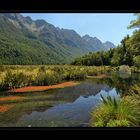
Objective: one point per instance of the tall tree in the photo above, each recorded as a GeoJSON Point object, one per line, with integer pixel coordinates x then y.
{"type": "Point", "coordinates": [135, 23]}
{"type": "Point", "coordinates": [135, 38]}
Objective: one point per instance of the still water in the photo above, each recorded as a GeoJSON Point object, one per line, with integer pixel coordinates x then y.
{"type": "Point", "coordinates": [67, 107]}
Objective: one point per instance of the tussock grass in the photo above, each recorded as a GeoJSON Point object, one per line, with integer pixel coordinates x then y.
{"type": "Point", "coordinates": [24, 75]}
{"type": "Point", "coordinates": [112, 112]}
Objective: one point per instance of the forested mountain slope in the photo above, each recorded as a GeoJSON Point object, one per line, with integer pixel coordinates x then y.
{"type": "Point", "coordinates": [27, 41]}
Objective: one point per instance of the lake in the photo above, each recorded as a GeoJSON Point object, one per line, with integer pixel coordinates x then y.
{"type": "Point", "coordinates": [67, 107]}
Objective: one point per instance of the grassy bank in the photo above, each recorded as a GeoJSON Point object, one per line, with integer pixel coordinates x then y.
{"type": "Point", "coordinates": [118, 112]}
{"type": "Point", "coordinates": [12, 77]}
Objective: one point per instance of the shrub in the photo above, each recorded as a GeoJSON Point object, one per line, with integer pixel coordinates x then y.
{"type": "Point", "coordinates": [118, 123]}
{"type": "Point", "coordinates": [42, 69]}
{"type": "Point", "coordinates": [41, 79]}
{"type": "Point", "coordinates": [48, 78]}
{"type": "Point", "coordinates": [136, 60]}
{"type": "Point", "coordinates": [92, 72]}
{"type": "Point", "coordinates": [77, 75]}
{"type": "Point", "coordinates": [135, 69]}
{"type": "Point", "coordinates": [113, 112]}
{"type": "Point", "coordinates": [135, 90]}
{"type": "Point", "coordinates": [13, 80]}
{"type": "Point", "coordinates": [2, 68]}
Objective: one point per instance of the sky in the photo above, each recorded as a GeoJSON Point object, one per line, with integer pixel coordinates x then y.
{"type": "Point", "coordinates": [105, 26]}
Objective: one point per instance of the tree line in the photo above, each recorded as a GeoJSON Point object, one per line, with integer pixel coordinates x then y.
{"type": "Point", "coordinates": [126, 53]}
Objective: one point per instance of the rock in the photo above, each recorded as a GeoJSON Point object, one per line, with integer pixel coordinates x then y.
{"type": "Point", "coordinates": [124, 69]}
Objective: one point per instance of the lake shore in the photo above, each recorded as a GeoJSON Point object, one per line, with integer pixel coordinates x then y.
{"type": "Point", "coordinates": [98, 76]}
{"type": "Point", "coordinates": [11, 98]}
{"type": "Point", "coordinates": [43, 88]}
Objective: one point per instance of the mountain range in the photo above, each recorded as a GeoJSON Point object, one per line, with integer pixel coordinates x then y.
{"type": "Point", "coordinates": [27, 41]}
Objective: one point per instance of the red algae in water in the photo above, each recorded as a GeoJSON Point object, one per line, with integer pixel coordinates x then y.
{"type": "Point", "coordinates": [4, 108]}
{"type": "Point", "coordinates": [42, 88]}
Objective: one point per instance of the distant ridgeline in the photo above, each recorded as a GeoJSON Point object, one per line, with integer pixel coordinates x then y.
{"type": "Point", "coordinates": [127, 53]}
{"type": "Point", "coordinates": [27, 41]}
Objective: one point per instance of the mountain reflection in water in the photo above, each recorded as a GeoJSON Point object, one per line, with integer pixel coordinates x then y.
{"type": "Point", "coordinates": [69, 106]}
{"type": "Point", "coordinates": [81, 99]}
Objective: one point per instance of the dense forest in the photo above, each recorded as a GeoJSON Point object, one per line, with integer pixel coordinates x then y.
{"type": "Point", "coordinates": [25, 41]}
{"type": "Point", "coordinates": [127, 53]}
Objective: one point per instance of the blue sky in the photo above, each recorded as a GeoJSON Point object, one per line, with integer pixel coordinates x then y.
{"type": "Point", "coordinates": [105, 26]}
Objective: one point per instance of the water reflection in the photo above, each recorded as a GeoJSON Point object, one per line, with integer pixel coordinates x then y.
{"type": "Point", "coordinates": [121, 82]}
{"type": "Point", "coordinates": [68, 114]}
{"type": "Point", "coordinates": [77, 103]}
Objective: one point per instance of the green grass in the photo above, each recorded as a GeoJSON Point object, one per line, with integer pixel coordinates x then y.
{"type": "Point", "coordinates": [19, 76]}
{"type": "Point", "coordinates": [123, 112]}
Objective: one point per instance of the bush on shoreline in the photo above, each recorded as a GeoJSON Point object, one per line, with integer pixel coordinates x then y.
{"type": "Point", "coordinates": [14, 80]}
{"type": "Point", "coordinates": [112, 112]}
{"type": "Point", "coordinates": [20, 76]}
